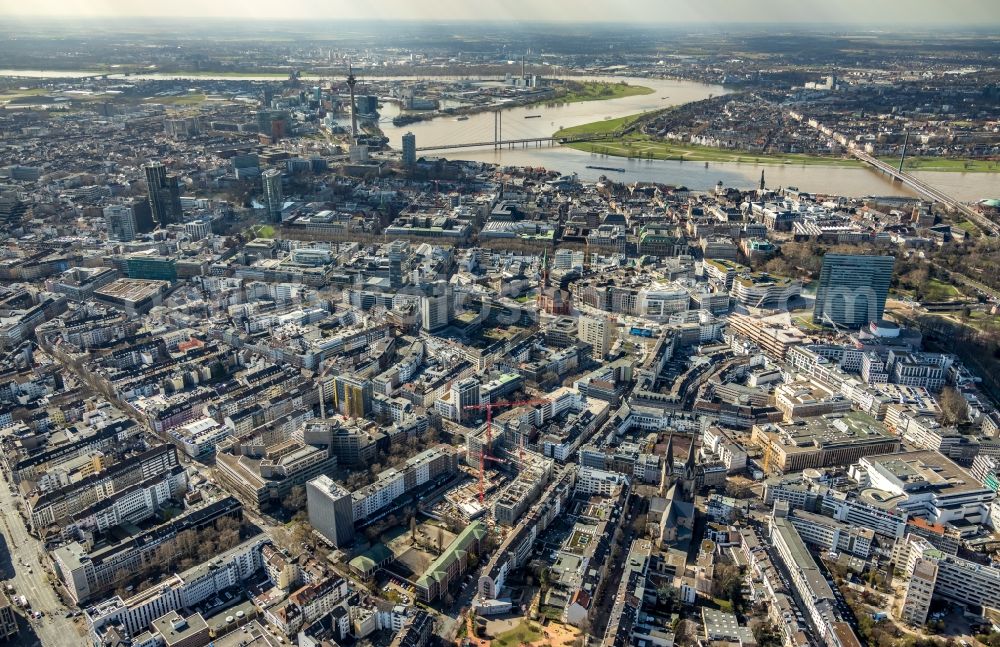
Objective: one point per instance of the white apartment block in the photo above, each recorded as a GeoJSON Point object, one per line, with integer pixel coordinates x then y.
{"type": "Point", "coordinates": [830, 534]}
{"type": "Point", "coordinates": [393, 483]}
{"type": "Point", "coordinates": [177, 591]}
{"type": "Point", "coordinates": [594, 481]}
{"type": "Point", "coordinates": [956, 579]}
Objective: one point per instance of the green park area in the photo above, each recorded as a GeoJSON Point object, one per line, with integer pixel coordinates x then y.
{"type": "Point", "coordinates": [526, 632]}
{"type": "Point", "coordinates": [598, 91]}
{"type": "Point", "coordinates": [937, 290]}
{"type": "Point", "coordinates": [263, 231]}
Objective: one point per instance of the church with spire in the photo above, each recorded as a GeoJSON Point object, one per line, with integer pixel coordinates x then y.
{"type": "Point", "coordinates": [551, 299]}
{"type": "Point", "coordinates": [761, 190]}
{"type": "Point", "coordinates": [678, 484]}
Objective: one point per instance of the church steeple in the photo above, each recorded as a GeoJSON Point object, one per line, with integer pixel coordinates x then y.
{"type": "Point", "coordinates": [670, 453]}
{"type": "Point", "coordinates": [689, 463]}
{"type": "Point", "coordinates": [667, 468]}
{"type": "Point", "coordinates": [762, 180]}
{"type": "Point", "coordinates": [690, 475]}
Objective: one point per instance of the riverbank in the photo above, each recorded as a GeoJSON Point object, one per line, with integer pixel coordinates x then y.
{"type": "Point", "coordinates": [640, 146]}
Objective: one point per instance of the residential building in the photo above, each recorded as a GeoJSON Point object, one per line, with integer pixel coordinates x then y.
{"type": "Point", "coordinates": [393, 483]}
{"type": "Point", "coordinates": [951, 577]}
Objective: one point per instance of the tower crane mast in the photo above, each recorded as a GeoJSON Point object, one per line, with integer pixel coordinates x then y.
{"type": "Point", "coordinates": [484, 452]}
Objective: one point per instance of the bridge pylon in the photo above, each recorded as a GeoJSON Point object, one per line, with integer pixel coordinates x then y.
{"type": "Point", "coordinates": [497, 129]}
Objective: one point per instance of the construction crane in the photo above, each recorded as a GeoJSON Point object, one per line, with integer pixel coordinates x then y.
{"type": "Point", "coordinates": [484, 452]}
{"type": "Point", "coordinates": [826, 318]}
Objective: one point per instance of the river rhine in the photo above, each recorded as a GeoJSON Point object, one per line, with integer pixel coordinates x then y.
{"type": "Point", "coordinates": [666, 92]}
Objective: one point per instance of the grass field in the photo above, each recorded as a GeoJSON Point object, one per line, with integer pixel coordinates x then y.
{"type": "Point", "coordinates": [598, 127]}
{"type": "Point", "coordinates": [225, 74]}
{"type": "Point", "coordinates": [641, 146]}
{"type": "Point", "coordinates": [969, 227]}
{"type": "Point", "coordinates": [805, 322]}
{"type": "Point", "coordinates": [264, 231]}
{"type": "Point", "coordinates": [724, 605]}
{"type": "Point", "coordinates": [18, 93]}
{"type": "Point", "coordinates": [525, 632]}
{"type": "Point", "coordinates": [940, 291]}
{"type": "Point", "coordinates": [599, 91]}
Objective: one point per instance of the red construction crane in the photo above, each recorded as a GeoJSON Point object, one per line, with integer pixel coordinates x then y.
{"type": "Point", "coordinates": [484, 453]}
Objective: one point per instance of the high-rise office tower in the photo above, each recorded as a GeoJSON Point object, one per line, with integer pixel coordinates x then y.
{"type": "Point", "coordinates": [273, 200]}
{"type": "Point", "coordinates": [164, 194]}
{"type": "Point", "coordinates": [264, 121]}
{"type": "Point", "coordinates": [409, 149]}
{"type": "Point", "coordinates": [12, 209]}
{"type": "Point", "coordinates": [435, 308]}
{"type": "Point", "coordinates": [399, 250]}
{"type": "Point", "coordinates": [331, 510]}
{"type": "Point", "coordinates": [595, 331]}
{"type": "Point", "coordinates": [143, 213]}
{"type": "Point", "coordinates": [351, 82]}
{"type": "Point", "coordinates": [465, 393]}
{"type": "Point", "coordinates": [121, 222]}
{"type": "Point", "coordinates": [852, 289]}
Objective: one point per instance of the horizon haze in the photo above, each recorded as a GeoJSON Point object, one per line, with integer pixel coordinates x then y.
{"type": "Point", "coordinates": [708, 12]}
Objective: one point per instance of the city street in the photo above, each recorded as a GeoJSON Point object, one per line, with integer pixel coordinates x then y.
{"type": "Point", "coordinates": [21, 567]}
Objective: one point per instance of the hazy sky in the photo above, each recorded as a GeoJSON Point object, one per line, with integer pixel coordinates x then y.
{"type": "Point", "coordinates": [718, 12]}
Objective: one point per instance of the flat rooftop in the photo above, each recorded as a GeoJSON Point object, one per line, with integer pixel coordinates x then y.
{"type": "Point", "coordinates": [830, 430]}
{"type": "Point", "coordinates": [132, 289]}
{"type": "Point", "coordinates": [925, 469]}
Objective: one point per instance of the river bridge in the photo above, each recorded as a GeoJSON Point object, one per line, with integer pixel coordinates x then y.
{"type": "Point", "coordinates": [924, 189]}
{"type": "Point", "coordinates": [499, 142]}
{"type": "Point", "coordinates": [524, 143]}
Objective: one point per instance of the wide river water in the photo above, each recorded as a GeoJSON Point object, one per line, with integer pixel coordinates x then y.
{"type": "Point", "coordinates": [666, 92]}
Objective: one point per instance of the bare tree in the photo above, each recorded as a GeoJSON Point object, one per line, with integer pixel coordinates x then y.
{"type": "Point", "coordinates": [296, 498]}
{"type": "Point", "coordinates": [684, 634]}
{"type": "Point", "coordinates": [954, 408]}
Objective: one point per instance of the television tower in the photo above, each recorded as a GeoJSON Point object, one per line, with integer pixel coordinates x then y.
{"type": "Point", "coordinates": [351, 82]}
